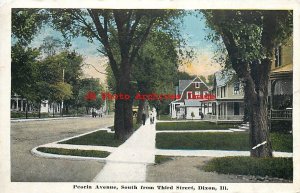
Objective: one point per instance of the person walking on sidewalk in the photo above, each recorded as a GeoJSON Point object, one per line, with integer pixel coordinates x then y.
{"type": "Point", "coordinates": [144, 118]}
{"type": "Point", "coordinates": [151, 117]}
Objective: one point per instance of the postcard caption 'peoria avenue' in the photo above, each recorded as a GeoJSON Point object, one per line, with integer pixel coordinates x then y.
{"type": "Point", "coordinates": [151, 187]}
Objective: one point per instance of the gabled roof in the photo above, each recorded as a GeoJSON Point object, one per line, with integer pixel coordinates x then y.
{"type": "Point", "coordinates": [183, 84]}
{"type": "Point", "coordinates": [191, 81]}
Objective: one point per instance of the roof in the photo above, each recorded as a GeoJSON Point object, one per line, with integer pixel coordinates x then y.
{"type": "Point", "coordinates": [223, 77]}
{"type": "Point", "coordinates": [183, 84]}
{"type": "Point", "coordinates": [192, 103]}
{"type": "Point", "coordinates": [283, 69]}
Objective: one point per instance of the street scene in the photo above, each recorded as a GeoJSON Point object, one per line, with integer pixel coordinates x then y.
{"type": "Point", "coordinates": [138, 96]}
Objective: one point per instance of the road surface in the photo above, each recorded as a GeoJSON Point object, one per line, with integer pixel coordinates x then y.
{"type": "Point", "coordinates": [28, 168]}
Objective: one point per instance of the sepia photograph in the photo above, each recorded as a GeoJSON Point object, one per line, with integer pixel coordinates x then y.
{"type": "Point", "coordinates": [149, 99]}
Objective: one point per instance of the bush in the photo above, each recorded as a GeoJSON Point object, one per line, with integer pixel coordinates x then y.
{"type": "Point", "coordinates": [272, 167]}
{"type": "Point", "coordinates": [281, 126]}
{"type": "Point", "coordinates": [29, 115]}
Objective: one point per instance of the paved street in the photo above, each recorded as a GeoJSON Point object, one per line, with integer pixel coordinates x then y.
{"type": "Point", "coordinates": [28, 168]}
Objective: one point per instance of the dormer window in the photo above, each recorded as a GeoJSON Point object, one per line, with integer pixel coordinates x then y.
{"type": "Point", "coordinates": [197, 84]}
{"type": "Point", "coordinates": [236, 88]}
{"type": "Point", "coordinates": [278, 55]}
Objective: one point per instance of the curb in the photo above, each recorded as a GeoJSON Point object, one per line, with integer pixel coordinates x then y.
{"type": "Point", "coordinates": [56, 144]}
{"type": "Point", "coordinates": [37, 153]}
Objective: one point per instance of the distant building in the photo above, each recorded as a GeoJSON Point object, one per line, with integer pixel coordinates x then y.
{"type": "Point", "coordinates": [190, 105]}
{"type": "Point", "coordinates": [229, 102]}
{"type": "Point", "coordinates": [281, 83]}
{"type": "Point", "coordinates": [18, 104]}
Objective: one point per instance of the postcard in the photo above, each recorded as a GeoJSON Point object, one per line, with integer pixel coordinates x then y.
{"type": "Point", "coordinates": [149, 96]}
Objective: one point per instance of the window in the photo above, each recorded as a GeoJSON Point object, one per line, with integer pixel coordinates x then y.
{"type": "Point", "coordinates": [197, 94]}
{"type": "Point", "coordinates": [236, 88]}
{"type": "Point", "coordinates": [278, 55]}
{"type": "Point", "coordinates": [189, 95]}
{"type": "Point", "coordinates": [197, 84]}
{"type": "Point", "coordinates": [205, 94]}
{"type": "Point", "coordinates": [223, 91]}
{"type": "Point", "coordinates": [236, 108]}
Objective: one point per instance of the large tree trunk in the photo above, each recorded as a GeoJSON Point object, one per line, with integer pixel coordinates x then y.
{"type": "Point", "coordinates": [123, 122]}
{"type": "Point", "coordinates": [258, 122]}
{"type": "Point", "coordinates": [140, 111]}
{"type": "Point", "coordinates": [256, 95]}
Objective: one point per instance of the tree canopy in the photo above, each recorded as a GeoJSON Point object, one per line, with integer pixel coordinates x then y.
{"type": "Point", "coordinates": [250, 37]}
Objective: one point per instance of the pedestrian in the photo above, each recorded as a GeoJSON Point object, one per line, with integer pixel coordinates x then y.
{"type": "Point", "coordinates": [154, 114]}
{"type": "Point", "coordinates": [201, 115]}
{"type": "Point", "coordinates": [144, 118]}
{"type": "Point", "coordinates": [94, 114]}
{"type": "Point", "coordinates": [151, 117]}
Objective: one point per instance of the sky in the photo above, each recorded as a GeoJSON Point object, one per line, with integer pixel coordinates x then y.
{"type": "Point", "coordinates": [194, 30]}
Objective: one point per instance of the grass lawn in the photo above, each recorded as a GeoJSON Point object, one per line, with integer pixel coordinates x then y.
{"type": "Point", "coordinates": [135, 125]}
{"type": "Point", "coordinates": [165, 117]}
{"type": "Point", "coordinates": [272, 167]}
{"type": "Point", "coordinates": [96, 138]}
{"type": "Point", "coordinates": [101, 138]}
{"type": "Point", "coordinates": [159, 159]}
{"type": "Point", "coordinates": [201, 125]}
{"type": "Point", "coordinates": [74, 152]}
{"type": "Point", "coordinates": [218, 141]}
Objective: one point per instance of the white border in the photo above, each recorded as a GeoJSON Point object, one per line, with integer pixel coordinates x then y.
{"type": "Point", "coordinates": [7, 186]}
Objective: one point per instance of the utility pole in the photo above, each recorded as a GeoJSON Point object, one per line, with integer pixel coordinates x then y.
{"type": "Point", "coordinates": [62, 101]}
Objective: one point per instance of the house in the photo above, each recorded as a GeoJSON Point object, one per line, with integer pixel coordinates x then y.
{"type": "Point", "coordinates": [18, 104]}
{"type": "Point", "coordinates": [281, 84]}
{"type": "Point", "coordinates": [190, 105]}
{"type": "Point", "coordinates": [229, 97]}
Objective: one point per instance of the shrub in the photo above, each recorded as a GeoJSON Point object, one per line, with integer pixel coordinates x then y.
{"type": "Point", "coordinates": [273, 167]}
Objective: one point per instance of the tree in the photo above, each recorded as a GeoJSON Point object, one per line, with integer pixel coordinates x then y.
{"type": "Point", "coordinates": [61, 91]}
{"type": "Point", "coordinates": [90, 94]}
{"type": "Point", "coordinates": [210, 80]}
{"type": "Point", "coordinates": [121, 34]}
{"type": "Point", "coordinates": [23, 72]}
{"type": "Point", "coordinates": [51, 45]}
{"type": "Point", "coordinates": [250, 38]}
{"type": "Point", "coordinates": [155, 67]}
{"type": "Point", "coordinates": [34, 77]}
{"type": "Point", "coordinates": [182, 76]}
{"type": "Point", "coordinates": [26, 23]}
{"type": "Point", "coordinates": [59, 77]}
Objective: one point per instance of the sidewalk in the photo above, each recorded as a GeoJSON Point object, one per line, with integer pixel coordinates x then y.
{"type": "Point", "coordinates": [129, 161]}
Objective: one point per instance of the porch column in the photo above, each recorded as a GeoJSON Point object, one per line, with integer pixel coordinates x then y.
{"type": "Point", "coordinates": [21, 104]}
{"type": "Point", "coordinates": [226, 108]}
{"type": "Point", "coordinates": [17, 99]}
{"type": "Point", "coordinates": [217, 110]}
